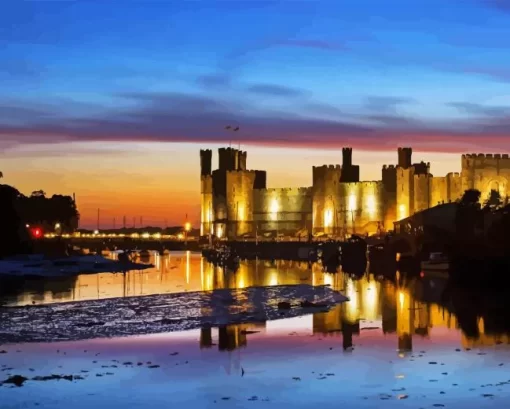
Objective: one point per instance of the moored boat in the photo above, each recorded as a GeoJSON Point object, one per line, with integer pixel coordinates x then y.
{"type": "Point", "coordinates": [438, 264]}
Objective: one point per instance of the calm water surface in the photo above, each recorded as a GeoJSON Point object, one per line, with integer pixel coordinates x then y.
{"type": "Point", "coordinates": [391, 345]}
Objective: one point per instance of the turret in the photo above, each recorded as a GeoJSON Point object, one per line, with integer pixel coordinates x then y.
{"type": "Point", "coordinates": [205, 162]}
{"type": "Point", "coordinates": [350, 172]}
{"type": "Point", "coordinates": [405, 157]}
{"type": "Point", "coordinates": [241, 160]}
{"type": "Point", "coordinates": [346, 157]}
{"type": "Point", "coordinates": [228, 159]}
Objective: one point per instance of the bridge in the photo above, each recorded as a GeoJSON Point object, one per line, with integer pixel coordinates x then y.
{"type": "Point", "coordinates": [98, 242]}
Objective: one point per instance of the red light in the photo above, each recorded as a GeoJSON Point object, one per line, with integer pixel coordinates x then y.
{"type": "Point", "coordinates": [37, 233]}
{"type": "Point", "coordinates": [422, 274]}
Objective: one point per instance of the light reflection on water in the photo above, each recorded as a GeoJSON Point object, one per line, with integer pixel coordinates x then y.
{"type": "Point", "coordinates": [382, 320]}
{"type": "Point", "coordinates": [408, 311]}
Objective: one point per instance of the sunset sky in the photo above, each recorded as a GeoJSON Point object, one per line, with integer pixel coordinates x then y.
{"type": "Point", "coordinates": [113, 100]}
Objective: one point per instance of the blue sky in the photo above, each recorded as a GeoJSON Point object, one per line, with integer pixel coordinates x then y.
{"type": "Point", "coordinates": [413, 66]}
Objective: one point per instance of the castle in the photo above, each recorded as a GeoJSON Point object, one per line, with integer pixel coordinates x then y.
{"type": "Point", "coordinates": [236, 202]}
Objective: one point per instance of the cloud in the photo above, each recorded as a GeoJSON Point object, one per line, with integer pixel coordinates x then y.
{"type": "Point", "coordinates": [386, 104]}
{"type": "Point", "coordinates": [276, 90]}
{"type": "Point", "coordinates": [174, 117]}
{"type": "Point", "coordinates": [479, 109]}
{"type": "Point", "coordinates": [218, 80]}
{"type": "Point", "coordinates": [314, 44]}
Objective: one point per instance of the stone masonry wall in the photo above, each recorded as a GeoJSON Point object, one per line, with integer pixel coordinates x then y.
{"type": "Point", "coordinates": [286, 210]}
{"type": "Point", "coordinates": [438, 191]}
{"type": "Point", "coordinates": [421, 192]}
{"type": "Point", "coordinates": [486, 172]}
{"type": "Point", "coordinates": [361, 207]}
{"type": "Point", "coordinates": [326, 197]}
{"type": "Point", "coordinates": [239, 198]}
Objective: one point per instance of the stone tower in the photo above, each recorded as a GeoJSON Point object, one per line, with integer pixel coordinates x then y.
{"type": "Point", "coordinates": [206, 193]}
{"type": "Point", "coordinates": [350, 172]}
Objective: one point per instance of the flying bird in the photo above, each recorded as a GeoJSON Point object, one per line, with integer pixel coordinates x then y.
{"type": "Point", "coordinates": [236, 129]}
{"type": "Point", "coordinates": [228, 127]}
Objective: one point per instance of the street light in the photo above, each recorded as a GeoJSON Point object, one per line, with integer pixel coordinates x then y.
{"type": "Point", "coordinates": [187, 228]}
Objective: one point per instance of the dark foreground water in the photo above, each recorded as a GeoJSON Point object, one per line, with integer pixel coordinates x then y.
{"type": "Point", "coordinates": [391, 345]}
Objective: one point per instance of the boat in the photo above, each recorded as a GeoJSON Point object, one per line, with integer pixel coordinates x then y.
{"type": "Point", "coordinates": [437, 264]}
{"type": "Point", "coordinates": [64, 267]}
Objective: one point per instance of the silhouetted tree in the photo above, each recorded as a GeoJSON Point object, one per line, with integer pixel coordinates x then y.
{"type": "Point", "coordinates": [499, 232]}
{"type": "Point", "coordinates": [38, 193]}
{"type": "Point", "coordinates": [468, 215]}
{"type": "Point", "coordinates": [471, 197]}
{"type": "Point", "coordinates": [14, 236]}
{"type": "Point", "coordinates": [494, 200]}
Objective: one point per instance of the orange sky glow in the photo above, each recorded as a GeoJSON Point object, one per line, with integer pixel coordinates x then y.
{"type": "Point", "coordinates": [160, 181]}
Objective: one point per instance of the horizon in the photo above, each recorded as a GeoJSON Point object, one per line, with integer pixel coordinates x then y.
{"type": "Point", "coordinates": [118, 115]}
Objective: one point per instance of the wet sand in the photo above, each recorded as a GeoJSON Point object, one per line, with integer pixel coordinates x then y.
{"type": "Point", "coordinates": [279, 364]}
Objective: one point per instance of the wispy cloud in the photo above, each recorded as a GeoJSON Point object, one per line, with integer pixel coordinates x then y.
{"type": "Point", "coordinates": [325, 45]}
{"type": "Point", "coordinates": [479, 109]}
{"type": "Point", "coordinates": [173, 117]}
{"type": "Point", "coordinates": [276, 90]}
{"type": "Point", "coordinates": [386, 104]}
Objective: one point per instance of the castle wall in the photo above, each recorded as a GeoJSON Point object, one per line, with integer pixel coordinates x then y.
{"type": "Point", "coordinates": [337, 202]}
{"type": "Point", "coordinates": [485, 172]}
{"type": "Point", "coordinates": [438, 191]}
{"type": "Point", "coordinates": [239, 199]}
{"type": "Point", "coordinates": [405, 192]}
{"type": "Point", "coordinates": [326, 198]}
{"type": "Point", "coordinates": [361, 207]}
{"type": "Point", "coordinates": [421, 192]}
{"type": "Point", "coordinates": [286, 210]}
{"type": "Point", "coordinates": [206, 205]}
{"type": "Point", "coordinates": [454, 186]}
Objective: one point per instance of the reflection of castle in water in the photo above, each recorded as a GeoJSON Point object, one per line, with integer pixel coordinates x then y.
{"type": "Point", "coordinates": [230, 337]}
{"type": "Point", "coordinates": [408, 311]}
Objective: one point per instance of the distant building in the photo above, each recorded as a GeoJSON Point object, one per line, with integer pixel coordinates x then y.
{"type": "Point", "coordinates": [236, 202]}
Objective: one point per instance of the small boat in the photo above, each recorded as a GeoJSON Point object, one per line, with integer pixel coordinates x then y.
{"type": "Point", "coordinates": [437, 264]}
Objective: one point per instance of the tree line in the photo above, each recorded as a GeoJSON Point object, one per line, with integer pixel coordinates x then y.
{"type": "Point", "coordinates": [35, 210]}
{"type": "Point", "coordinates": [488, 220]}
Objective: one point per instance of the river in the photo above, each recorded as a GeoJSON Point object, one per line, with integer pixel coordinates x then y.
{"type": "Point", "coordinates": [400, 342]}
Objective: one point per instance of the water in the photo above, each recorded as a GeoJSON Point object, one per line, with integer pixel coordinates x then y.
{"type": "Point", "coordinates": [391, 345]}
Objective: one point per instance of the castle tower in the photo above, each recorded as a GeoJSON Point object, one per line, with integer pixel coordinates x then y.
{"type": "Point", "coordinates": [346, 157]}
{"type": "Point", "coordinates": [206, 193]}
{"type": "Point", "coordinates": [227, 158]}
{"type": "Point", "coordinates": [241, 161]}
{"type": "Point", "coordinates": [205, 162]}
{"type": "Point", "coordinates": [326, 201]}
{"type": "Point", "coordinates": [350, 172]}
{"type": "Point", "coordinates": [405, 157]}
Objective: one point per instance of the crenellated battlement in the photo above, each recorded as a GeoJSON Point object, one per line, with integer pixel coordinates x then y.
{"type": "Point", "coordinates": [485, 156]}
{"type": "Point", "coordinates": [240, 171]}
{"type": "Point", "coordinates": [384, 167]}
{"type": "Point", "coordinates": [286, 190]}
{"type": "Point", "coordinates": [423, 176]}
{"type": "Point", "coordinates": [453, 175]}
{"type": "Point", "coordinates": [365, 183]}
{"type": "Point", "coordinates": [328, 167]}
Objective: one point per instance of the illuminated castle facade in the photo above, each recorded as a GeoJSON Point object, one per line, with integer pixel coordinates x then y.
{"type": "Point", "coordinates": [236, 202]}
